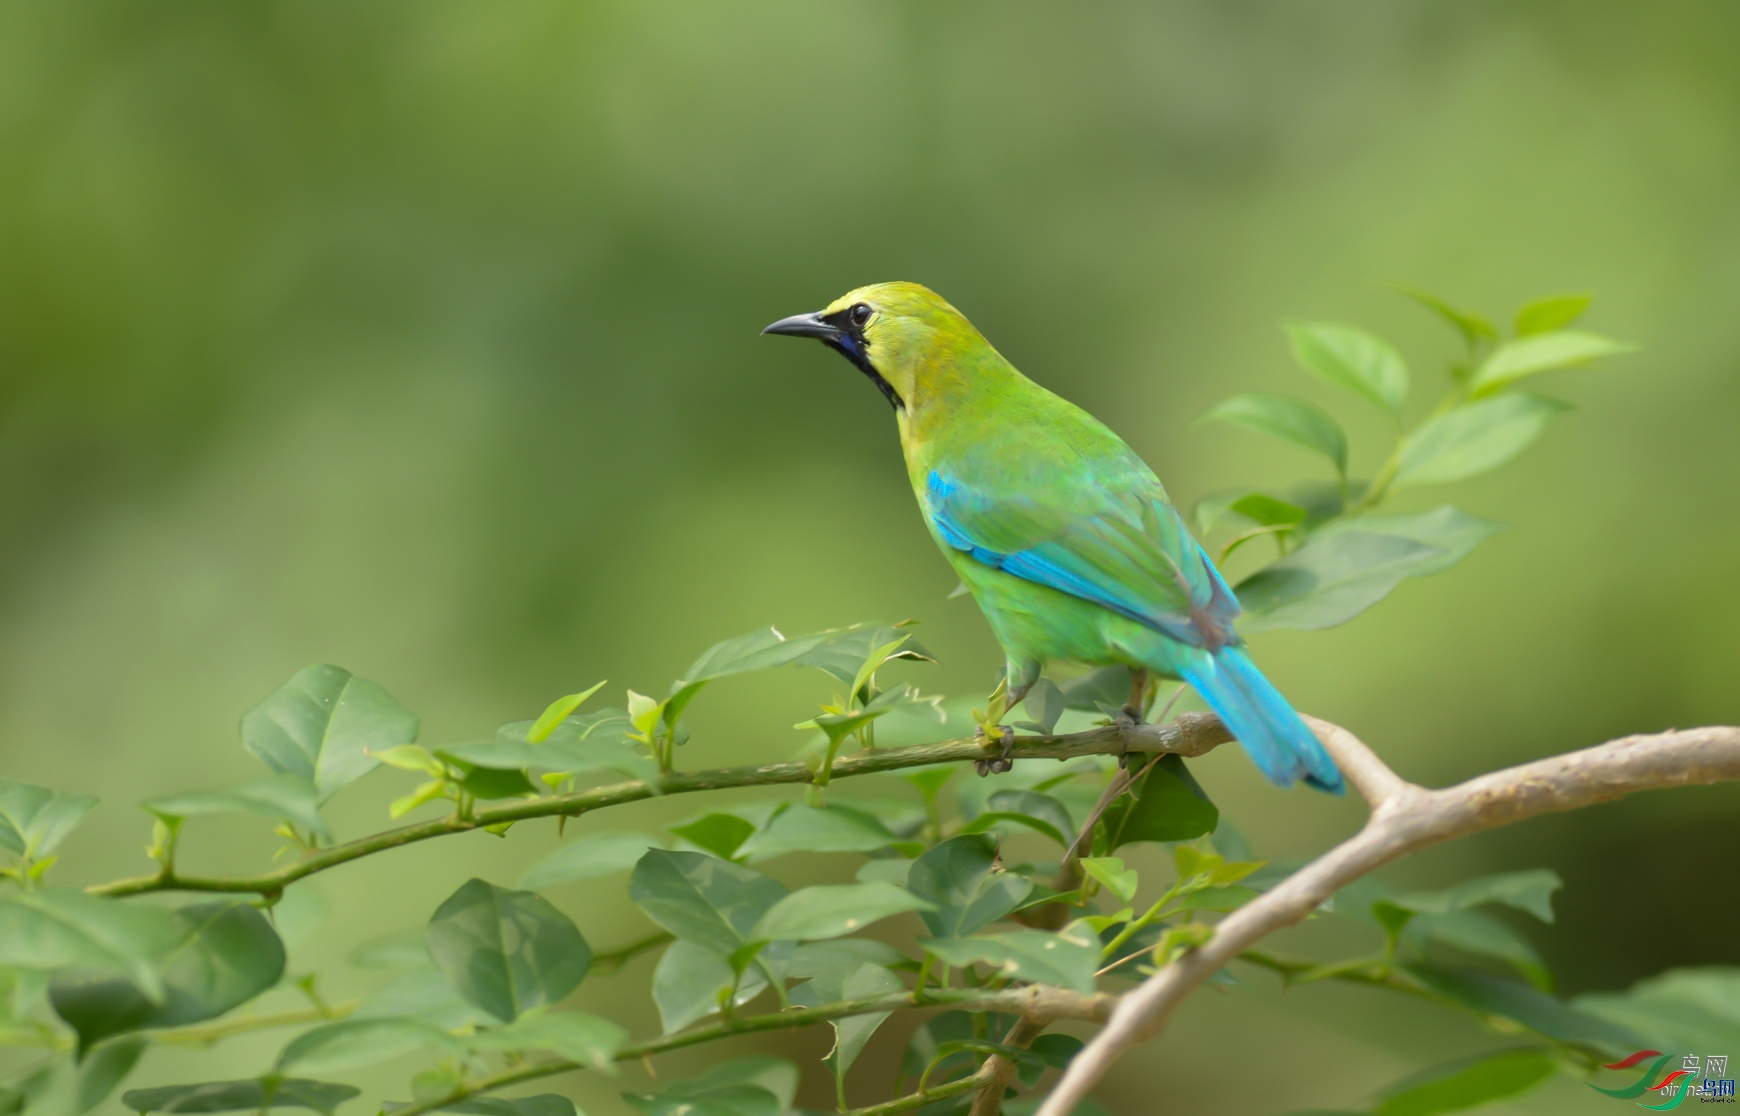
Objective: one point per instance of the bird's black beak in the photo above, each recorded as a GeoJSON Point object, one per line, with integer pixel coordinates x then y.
{"type": "Point", "coordinates": [806, 325]}
{"type": "Point", "coordinates": [837, 332]}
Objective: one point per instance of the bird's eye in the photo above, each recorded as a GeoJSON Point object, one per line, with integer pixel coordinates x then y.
{"type": "Point", "coordinates": [860, 314]}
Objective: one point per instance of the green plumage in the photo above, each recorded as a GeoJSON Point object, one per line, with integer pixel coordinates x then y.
{"type": "Point", "coordinates": [1066, 539]}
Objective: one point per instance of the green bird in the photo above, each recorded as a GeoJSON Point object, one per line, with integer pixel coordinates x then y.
{"type": "Point", "coordinates": [1063, 535]}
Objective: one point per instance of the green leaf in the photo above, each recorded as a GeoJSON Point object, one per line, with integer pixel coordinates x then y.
{"type": "Point", "coordinates": [702, 899]}
{"type": "Point", "coordinates": [1553, 312]}
{"type": "Point", "coordinates": [35, 820]}
{"type": "Point", "coordinates": [583, 1039]}
{"type": "Point", "coordinates": [1291, 420]}
{"type": "Point", "coordinates": [63, 927]}
{"type": "Point", "coordinates": [1473, 438]}
{"type": "Point", "coordinates": [761, 649]}
{"type": "Point", "coordinates": [1454, 532]}
{"type": "Point", "coordinates": [720, 834]}
{"type": "Point", "coordinates": [1540, 352]}
{"type": "Point", "coordinates": [598, 741]}
{"type": "Point", "coordinates": [838, 956]}
{"type": "Point", "coordinates": [842, 653]}
{"type": "Point", "coordinates": [1169, 806]}
{"type": "Point", "coordinates": [224, 954]}
{"type": "Point", "coordinates": [1039, 812]}
{"type": "Point", "coordinates": [490, 782]}
{"type": "Point", "coordinates": [506, 951]}
{"type": "Point", "coordinates": [1231, 843]}
{"type": "Point", "coordinates": [1330, 580]}
{"type": "Point", "coordinates": [351, 1043]}
{"type": "Point", "coordinates": [540, 1104]}
{"type": "Point", "coordinates": [853, 1031]}
{"type": "Point", "coordinates": [1483, 936]}
{"type": "Point", "coordinates": [423, 995]}
{"type": "Point", "coordinates": [1473, 327]}
{"type": "Point", "coordinates": [1467, 1082]}
{"type": "Point", "coordinates": [1068, 958]}
{"type": "Point", "coordinates": [821, 829]}
{"type": "Point", "coordinates": [950, 1030]}
{"type": "Point", "coordinates": [1681, 1009]}
{"type": "Point", "coordinates": [323, 724]}
{"type": "Point", "coordinates": [1351, 358]}
{"type": "Point", "coordinates": [961, 880]}
{"type": "Point", "coordinates": [239, 1096]}
{"type": "Point", "coordinates": [1217, 899]}
{"type": "Point", "coordinates": [1111, 873]}
{"type": "Point", "coordinates": [1044, 703]}
{"type": "Point", "coordinates": [899, 815]}
{"type": "Point", "coordinates": [1211, 509]}
{"type": "Point", "coordinates": [1267, 511]}
{"type": "Point", "coordinates": [778, 1076]}
{"type": "Point", "coordinates": [1530, 891]}
{"type": "Point", "coordinates": [288, 798]}
{"type": "Point", "coordinates": [929, 781]}
{"type": "Point", "coordinates": [105, 1068]}
{"type": "Point", "coordinates": [1107, 686]}
{"type": "Point", "coordinates": [1056, 1050]}
{"type": "Point", "coordinates": [725, 1100]}
{"type": "Point", "coordinates": [690, 981]}
{"type": "Point", "coordinates": [1527, 1006]}
{"type": "Point", "coordinates": [833, 910]}
{"type": "Point", "coordinates": [557, 712]}
{"type": "Point", "coordinates": [754, 1086]}
{"type": "Point", "coordinates": [588, 857]}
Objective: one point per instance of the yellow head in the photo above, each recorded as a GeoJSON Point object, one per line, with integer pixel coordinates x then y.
{"type": "Point", "coordinates": [901, 335]}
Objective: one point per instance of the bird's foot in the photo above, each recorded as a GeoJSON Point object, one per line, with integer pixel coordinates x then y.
{"type": "Point", "coordinates": [1127, 718]}
{"type": "Point", "coordinates": [988, 736]}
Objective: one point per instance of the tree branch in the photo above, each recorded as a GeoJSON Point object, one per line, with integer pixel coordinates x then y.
{"type": "Point", "coordinates": [1404, 819]}
{"type": "Point", "coordinates": [1035, 1001]}
{"type": "Point", "coordinates": [1190, 734]}
{"type": "Point", "coordinates": [919, 1100]}
{"type": "Point", "coordinates": [997, 1070]}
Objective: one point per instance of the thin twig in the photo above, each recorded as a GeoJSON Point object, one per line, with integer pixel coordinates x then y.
{"type": "Point", "coordinates": [1189, 735]}
{"type": "Point", "coordinates": [212, 1032]}
{"type": "Point", "coordinates": [919, 1100]}
{"type": "Point", "coordinates": [604, 963]}
{"type": "Point", "coordinates": [1404, 819]}
{"type": "Point", "coordinates": [997, 1070]}
{"type": "Point", "coordinates": [1035, 1001]}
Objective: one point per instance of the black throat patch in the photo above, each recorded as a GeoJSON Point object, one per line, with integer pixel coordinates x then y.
{"type": "Point", "coordinates": [850, 343]}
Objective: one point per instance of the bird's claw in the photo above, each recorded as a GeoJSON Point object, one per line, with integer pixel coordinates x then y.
{"type": "Point", "coordinates": [995, 765]}
{"type": "Point", "coordinates": [1127, 718]}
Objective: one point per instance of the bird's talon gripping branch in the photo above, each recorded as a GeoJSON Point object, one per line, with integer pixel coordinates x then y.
{"type": "Point", "coordinates": [988, 736]}
{"type": "Point", "coordinates": [1128, 718]}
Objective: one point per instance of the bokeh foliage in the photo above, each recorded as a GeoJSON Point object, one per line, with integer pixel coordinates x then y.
{"type": "Point", "coordinates": [420, 338]}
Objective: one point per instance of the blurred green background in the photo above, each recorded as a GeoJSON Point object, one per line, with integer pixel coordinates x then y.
{"type": "Point", "coordinates": [422, 338]}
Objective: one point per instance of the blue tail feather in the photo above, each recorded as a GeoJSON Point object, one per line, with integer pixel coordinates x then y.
{"type": "Point", "coordinates": [1256, 713]}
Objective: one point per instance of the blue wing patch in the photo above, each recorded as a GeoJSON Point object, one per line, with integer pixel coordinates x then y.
{"type": "Point", "coordinates": [1033, 564]}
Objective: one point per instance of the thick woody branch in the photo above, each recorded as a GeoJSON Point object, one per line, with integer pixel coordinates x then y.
{"type": "Point", "coordinates": [1190, 735]}
{"type": "Point", "coordinates": [1404, 819]}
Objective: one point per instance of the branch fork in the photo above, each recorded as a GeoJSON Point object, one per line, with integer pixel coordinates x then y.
{"type": "Point", "coordinates": [1404, 819]}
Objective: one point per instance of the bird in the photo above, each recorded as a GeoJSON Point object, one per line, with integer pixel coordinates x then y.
{"type": "Point", "coordinates": [1065, 537]}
